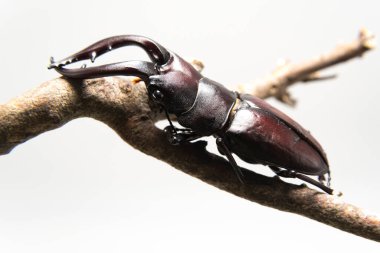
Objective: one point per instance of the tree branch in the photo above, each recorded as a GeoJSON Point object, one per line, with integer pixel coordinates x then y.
{"type": "Point", "coordinates": [286, 74]}
{"type": "Point", "coordinates": [124, 106]}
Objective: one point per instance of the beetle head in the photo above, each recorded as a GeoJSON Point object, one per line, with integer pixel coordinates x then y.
{"type": "Point", "coordinates": [170, 80]}
{"type": "Point", "coordinates": [175, 86]}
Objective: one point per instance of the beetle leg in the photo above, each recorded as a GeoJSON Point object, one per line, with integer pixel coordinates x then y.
{"type": "Point", "coordinates": [173, 128]}
{"type": "Point", "coordinates": [178, 136]}
{"type": "Point", "coordinates": [225, 151]}
{"type": "Point", "coordinates": [156, 52]}
{"type": "Point", "coordinates": [293, 174]}
{"type": "Point", "coordinates": [283, 173]}
{"type": "Point", "coordinates": [129, 68]}
{"type": "Point", "coordinates": [322, 179]}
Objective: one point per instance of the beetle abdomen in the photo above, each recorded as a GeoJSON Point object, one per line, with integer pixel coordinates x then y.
{"type": "Point", "coordinates": [257, 135]}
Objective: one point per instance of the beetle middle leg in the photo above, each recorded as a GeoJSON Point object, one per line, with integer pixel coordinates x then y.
{"type": "Point", "coordinates": [224, 150]}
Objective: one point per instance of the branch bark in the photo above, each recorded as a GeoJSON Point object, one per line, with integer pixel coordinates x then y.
{"type": "Point", "coordinates": [124, 106]}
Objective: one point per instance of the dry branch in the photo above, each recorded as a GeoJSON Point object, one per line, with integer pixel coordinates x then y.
{"type": "Point", "coordinates": [124, 106]}
{"type": "Point", "coordinates": [287, 74]}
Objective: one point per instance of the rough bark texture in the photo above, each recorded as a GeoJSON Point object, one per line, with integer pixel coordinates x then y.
{"type": "Point", "coordinates": [124, 106]}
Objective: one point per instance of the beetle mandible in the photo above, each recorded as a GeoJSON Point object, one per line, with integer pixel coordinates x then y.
{"type": "Point", "coordinates": [241, 123]}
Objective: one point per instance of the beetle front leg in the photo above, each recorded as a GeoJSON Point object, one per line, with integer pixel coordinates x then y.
{"type": "Point", "coordinates": [177, 136]}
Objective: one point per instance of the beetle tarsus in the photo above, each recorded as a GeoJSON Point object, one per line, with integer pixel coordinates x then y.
{"type": "Point", "coordinates": [177, 136]}
{"type": "Point", "coordinates": [329, 178]}
{"type": "Point", "coordinates": [52, 63]}
{"type": "Point", "coordinates": [322, 179]}
{"type": "Point", "coordinates": [172, 136]}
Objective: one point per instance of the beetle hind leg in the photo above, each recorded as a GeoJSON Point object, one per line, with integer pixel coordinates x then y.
{"type": "Point", "coordinates": [322, 179]}
{"type": "Point", "coordinates": [292, 174]}
{"type": "Point", "coordinates": [283, 173]}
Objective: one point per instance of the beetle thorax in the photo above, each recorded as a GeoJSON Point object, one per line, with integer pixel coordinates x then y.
{"type": "Point", "coordinates": [211, 108]}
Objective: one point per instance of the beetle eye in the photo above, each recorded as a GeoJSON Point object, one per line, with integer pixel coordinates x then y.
{"type": "Point", "coordinates": [157, 95]}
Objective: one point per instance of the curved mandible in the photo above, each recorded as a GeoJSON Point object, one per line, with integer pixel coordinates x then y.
{"type": "Point", "coordinates": [156, 52]}
{"type": "Point", "coordinates": [140, 69]}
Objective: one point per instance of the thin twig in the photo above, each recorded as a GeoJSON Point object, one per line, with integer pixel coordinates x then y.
{"type": "Point", "coordinates": [286, 74]}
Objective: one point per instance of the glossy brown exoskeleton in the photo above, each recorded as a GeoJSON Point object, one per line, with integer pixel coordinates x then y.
{"type": "Point", "coordinates": [242, 124]}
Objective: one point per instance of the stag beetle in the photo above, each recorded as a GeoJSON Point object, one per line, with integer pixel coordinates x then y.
{"type": "Point", "coordinates": [241, 123]}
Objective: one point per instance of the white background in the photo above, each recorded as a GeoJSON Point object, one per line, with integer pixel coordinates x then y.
{"type": "Point", "coordinates": [80, 188]}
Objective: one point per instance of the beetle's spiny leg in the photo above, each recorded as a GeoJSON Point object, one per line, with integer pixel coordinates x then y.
{"type": "Point", "coordinates": [315, 183]}
{"type": "Point", "coordinates": [176, 129]}
{"type": "Point", "coordinates": [225, 151]}
{"type": "Point", "coordinates": [178, 136]}
{"type": "Point", "coordinates": [322, 179]}
{"type": "Point", "coordinates": [155, 51]}
{"type": "Point", "coordinates": [172, 136]}
{"type": "Point", "coordinates": [170, 122]}
{"type": "Point", "coordinates": [328, 178]}
{"type": "Point", "coordinates": [283, 173]}
{"type": "Point", "coordinates": [293, 174]}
